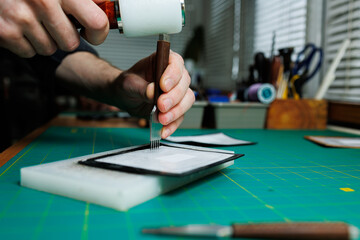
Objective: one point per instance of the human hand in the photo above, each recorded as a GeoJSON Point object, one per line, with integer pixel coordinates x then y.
{"type": "Point", "coordinates": [28, 27]}
{"type": "Point", "coordinates": [134, 91]}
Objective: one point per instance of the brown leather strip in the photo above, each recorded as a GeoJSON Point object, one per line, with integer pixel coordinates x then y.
{"type": "Point", "coordinates": [294, 231]}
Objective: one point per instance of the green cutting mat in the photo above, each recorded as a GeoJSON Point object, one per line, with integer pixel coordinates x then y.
{"type": "Point", "coordinates": [282, 178]}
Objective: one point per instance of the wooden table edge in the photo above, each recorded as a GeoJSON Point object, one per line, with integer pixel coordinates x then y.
{"type": "Point", "coordinates": [11, 151]}
{"type": "Point", "coordinates": [67, 121]}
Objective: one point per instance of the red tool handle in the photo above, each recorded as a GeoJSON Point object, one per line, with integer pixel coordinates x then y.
{"type": "Point", "coordinates": [110, 9]}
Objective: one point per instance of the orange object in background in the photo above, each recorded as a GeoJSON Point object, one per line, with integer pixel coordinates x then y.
{"type": "Point", "coordinates": [297, 114]}
{"type": "Point", "coordinates": [110, 8]}
{"type": "Point", "coordinates": [111, 11]}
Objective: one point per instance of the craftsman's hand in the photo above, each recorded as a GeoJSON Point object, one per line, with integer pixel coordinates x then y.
{"type": "Point", "coordinates": [136, 87]}
{"type": "Point", "coordinates": [28, 27]}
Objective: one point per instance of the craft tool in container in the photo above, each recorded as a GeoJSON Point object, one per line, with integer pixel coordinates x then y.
{"type": "Point", "coordinates": [330, 74]}
{"type": "Point", "coordinates": [303, 69]}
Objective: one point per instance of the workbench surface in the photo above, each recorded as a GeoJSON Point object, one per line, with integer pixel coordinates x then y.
{"type": "Point", "coordinates": [282, 178]}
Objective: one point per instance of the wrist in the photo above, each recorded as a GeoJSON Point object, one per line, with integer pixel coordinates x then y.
{"type": "Point", "coordinates": [87, 74]}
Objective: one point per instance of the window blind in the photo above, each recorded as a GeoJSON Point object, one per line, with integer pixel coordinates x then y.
{"type": "Point", "coordinates": [123, 52]}
{"type": "Point", "coordinates": [284, 18]}
{"type": "Point", "coordinates": [343, 21]}
{"type": "Point", "coordinates": [219, 39]}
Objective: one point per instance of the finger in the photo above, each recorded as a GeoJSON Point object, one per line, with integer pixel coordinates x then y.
{"type": "Point", "coordinates": [179, 110]}
{"type": "Point", "coordinates": [173, 72]}
{"type": "Point", "coordinates": [34, 31]}
{"type": "Point", "coordinates": [40, 39]}
{"type": "Point", "coordinates": [170, 99]}
{"type": "Point", "coordinates": [91, 17]}
{"type": "Point", "coordinates": [13, 40]}
{"type": "Point", "coordinates": [150, 91]}
{"type": "Point", "coordinates": [20, 47]}
{"type": "Point", "coordinates": [59, 27]}
{"type": "Point", "coordinates": [171, 128]}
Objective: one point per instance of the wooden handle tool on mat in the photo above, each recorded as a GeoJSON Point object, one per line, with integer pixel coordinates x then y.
{"type": "Point", "coordinates": [162, 61]}
{"type": "Point", "coordinates": [289, 231]}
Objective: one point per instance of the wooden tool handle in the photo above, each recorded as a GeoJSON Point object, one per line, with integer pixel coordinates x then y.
{"type": "Point", "coordinates": [109, 9]}
{"type": "Point", "coordinates": [162, 61]}
{"type": "Point", "coordinates": [294, 231]}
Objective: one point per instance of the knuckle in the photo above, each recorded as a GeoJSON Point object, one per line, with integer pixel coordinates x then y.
{"type": "Point", "coordinates": [26, 19]}
{"type": "Point", "coordinates": [171, 127]}
{"type": "Point", "coordinates": [48, 51]}
{"type": "Point", "coordinates": [12, 35]}
{"type": "Point", "coordinates": [100, 21]}
{"type": "Point", "coordinates": [178, 57]}
{"type": "Point", "coordinates": [191, 95]}
{"type": "Point", "coordinates": [187, 77]}
{"type": "Point", "coordinates": [178, 111]}
{"type": "Point", "coordinates": [177, 123]}
{"type": "Point", "coordinates": [27, 54]}
{"type": "Point", "coordinates": [24, 16]}
{"type": "Point", "coordinates": [71, 45]}
{"type": "Point", "coordinates": [180, 120]}
{"type": "Point", "coordinates": [44, 4]}
{"type": "Point", "coordinates": [23, 51]}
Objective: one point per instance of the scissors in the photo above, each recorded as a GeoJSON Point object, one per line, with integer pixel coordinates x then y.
{"type": "Point", "coordinates": [301, 72]}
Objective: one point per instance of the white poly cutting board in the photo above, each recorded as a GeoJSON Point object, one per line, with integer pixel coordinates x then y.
{"type": "Point", "coordinates": [114, 189]}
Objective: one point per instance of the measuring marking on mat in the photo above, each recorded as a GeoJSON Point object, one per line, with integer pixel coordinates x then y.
{"type": "Point", "coordinates": [322, 173]}
{"type": "Point", "coordinates": [275, 175]}
{"type": "Point", "coordinates": [10, 203]}
{"type": "Point", "coordinates": [84, 234]}
{"type": "Point", "coordinates": [347, 189]}
{"type": "Point", "coordinates": [269, 206]}
{"type": "Point", "coordinates": [298, 174]}
{"type": "Point", "coordinates": [18, 159]}
{"type": "Point", "coordinates": [270, 187]}
{"type": "Point", "coordinates": [253, 195]}
{"type": "Point", "coordinates": [354, 165]}
{"type": "Point", "coordinates": [320, 165]}
{"type": "Point", "coordinates": [46, 156]}
{"type": "Point", "coordinates": [204, 212]}
{"type": "Point", "coordinates": [112, 142]}
{"type": "Point", "coordinates": [39, 226]}
{"type": "Point", "coordinates": [129, 226]}
{"type": "Point", "coordinates": [340, 171]}
{"type": "Point", "coordinates": [233, 206]}
{"type": "Point", "coordinates": [93, 147]}
{"type": "Point", "coordinates": [71, 152]}
{"type": "Point", "coordinates": [74, 130]}
{"type": "Point", "coordinates": [257, 198]}
{"type": "Point", "coordinates": [166, 212]}
{"type": "Point", "coordinates": [309, 179]}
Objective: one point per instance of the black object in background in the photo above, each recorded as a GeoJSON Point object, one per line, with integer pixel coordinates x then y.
{"type": "Point", "coordinates": [26, 96]}
{"type": "Point", "coordinates": [286, 53]}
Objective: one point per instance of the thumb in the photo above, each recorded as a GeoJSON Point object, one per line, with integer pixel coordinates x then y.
{"type": "Point", "coordinates": [150, 91]}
